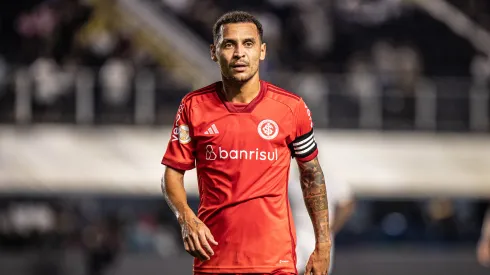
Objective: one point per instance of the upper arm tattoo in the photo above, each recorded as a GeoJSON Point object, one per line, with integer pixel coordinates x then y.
{"type": "Point", "coordinates": [315, 196]}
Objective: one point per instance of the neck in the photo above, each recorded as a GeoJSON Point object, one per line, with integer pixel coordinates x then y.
{"type": "Point", "coordinates": [241, 92]}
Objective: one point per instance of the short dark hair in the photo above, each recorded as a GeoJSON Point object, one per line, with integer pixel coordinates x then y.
{"type": "Point", "coordinates": [236, 17]}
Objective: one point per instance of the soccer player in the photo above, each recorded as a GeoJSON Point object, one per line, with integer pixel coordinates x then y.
{"type": "Point", "coordinates": [483, 251]}
{"type": "Point", "coordinates": [341, 204]}
{"type": "Point", "coordinates": [240, 134]}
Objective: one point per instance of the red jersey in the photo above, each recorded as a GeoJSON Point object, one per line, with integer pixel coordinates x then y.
{"type": "Point", "coordinates": [243, 154]}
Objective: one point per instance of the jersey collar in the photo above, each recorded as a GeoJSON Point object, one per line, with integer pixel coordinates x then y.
{"type": "Point", "coordinates": [250, 107]}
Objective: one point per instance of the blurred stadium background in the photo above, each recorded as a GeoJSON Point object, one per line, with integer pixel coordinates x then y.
{"type": "Point", "coordinates": [399, 91]}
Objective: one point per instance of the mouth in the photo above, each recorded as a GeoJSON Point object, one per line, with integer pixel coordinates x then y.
{"type": "Point", "coordinates": [240, 67]}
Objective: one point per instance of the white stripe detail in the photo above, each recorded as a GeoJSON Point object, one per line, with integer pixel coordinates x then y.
{"type": "Point", "coordinates": [306, 150]}
{"type": "Point", "coordinates": [303, 141]}
{"type": "Point", "coordinates": [212, 130]}
{"type": "Point", "coordinates": [304, 145]}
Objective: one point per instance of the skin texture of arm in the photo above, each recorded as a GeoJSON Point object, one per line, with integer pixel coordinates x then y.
{"type": "Point", "coordinates": [173, 190]}
{"type": "Point", "coordinates": [315, 197]}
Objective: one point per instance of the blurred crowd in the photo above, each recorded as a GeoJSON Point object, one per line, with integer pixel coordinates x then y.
{"type": "Point", "coordinates": [54, 41]}
{"type": "Point", "coordinates": [101, 228]}
{"type": "Point", "coordinates": [59, 34]}
{"type": "Point", "coordinates": [324, 35]}
{"type": "Point", "coordinates": [333, 52]}
{"type": "Point", "coordinates": [105, 228]}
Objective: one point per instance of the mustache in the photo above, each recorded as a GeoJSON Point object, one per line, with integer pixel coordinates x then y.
{"type": "Point", "coordinates": [239, 63]}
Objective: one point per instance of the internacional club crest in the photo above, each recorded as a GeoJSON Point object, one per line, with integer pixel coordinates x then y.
{"type": "Point", "coordinates": [268, 129]}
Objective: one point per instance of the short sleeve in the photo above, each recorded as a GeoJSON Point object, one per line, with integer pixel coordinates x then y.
{"type": "Point", "coordinates": [303, 146]}
{"type": "Point", "coordinates": [181, 146]}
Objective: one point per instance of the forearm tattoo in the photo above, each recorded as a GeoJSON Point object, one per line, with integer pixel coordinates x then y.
{"type": "Point", "coordinates": [315, 196]}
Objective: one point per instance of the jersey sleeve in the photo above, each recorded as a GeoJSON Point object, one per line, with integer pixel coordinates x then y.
{"type": "Point", "coordinates": [303, 146]}
{"type": "Point", "coordinates": [180, 153]}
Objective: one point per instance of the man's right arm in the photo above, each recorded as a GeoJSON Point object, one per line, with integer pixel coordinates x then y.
{"type": "Point", "coordinates": [174, 192]}
{"type": "Point", "coordinates": [194, 232]}
{"type": "Point", "coordinates": [179, 157]}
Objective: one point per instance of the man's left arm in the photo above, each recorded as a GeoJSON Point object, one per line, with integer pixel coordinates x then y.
{"type": "Point", "coordinates": [316, 201]}
{"type": "Point", "coordinates": [304, 148]}
{"type": "Point", "coordinates": [315, 196]}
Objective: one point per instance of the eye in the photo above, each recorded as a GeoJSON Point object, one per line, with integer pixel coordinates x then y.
{"type": "Point", "coordinates": [249, 44]}
{"type": "Point", "coordinates": [228, 45]}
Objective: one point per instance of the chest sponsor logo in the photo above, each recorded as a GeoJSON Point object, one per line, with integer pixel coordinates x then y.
{"type": "Point", "coordinates": [268, 129]}
{"type": "Point", "coordinates": [213, 153]}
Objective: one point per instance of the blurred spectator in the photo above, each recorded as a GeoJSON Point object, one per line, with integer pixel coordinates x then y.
{"type": "Point", "coordinates": [384, 59]}
{"type": "Point", "coordinates": [314, 86]}
{"type": "Point", "coordinates": [361, 80]}
{"type": "Point", "coordinates": [102, 43]}
{"type": "Point", "coordinates": [40, 22]}
{"type": "Point", "coordinates": [442, 225]}
{"type": "Point", "coordinates": [369, 12]}
{"type": "Point", "coordinates": [3, 74]}
{"type": "Point", "coordinates": [143, 233]}
{"type": "Point", "coordinates": [46, 78]}
{"type": "Point", "coordinates": [179, 6]}
{"type": "Point", "coordinates": [31, 218]}
{"type": "Point", "coordinates": [409, 68]}
{"type": "Point", "coordinates": [272, 36]}
{"type": "Point", "coordinates": [167, 241]}
{"type": "Point", "coordinates": [102, 243]}
{"type": "Point", "coordinates": [318, 29]}
{"type": "Point", "coordinates": [480, 70]}
{"type": "Point", "coordinates": [116, 78]}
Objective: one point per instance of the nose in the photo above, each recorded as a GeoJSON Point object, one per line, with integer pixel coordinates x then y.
{"type": "Point", "coordinates": [239, 51]}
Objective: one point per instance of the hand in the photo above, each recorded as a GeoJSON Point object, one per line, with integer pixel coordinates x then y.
{"type": "Point", "coordinates": [483, 252]}
{"type": "Point", "coordinates": [196, 236]}
{"type": "Point", "coordinates": [319, 261]}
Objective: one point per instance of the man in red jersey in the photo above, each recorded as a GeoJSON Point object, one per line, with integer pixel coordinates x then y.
{"type": "Point", "coordinates": [240, 134]}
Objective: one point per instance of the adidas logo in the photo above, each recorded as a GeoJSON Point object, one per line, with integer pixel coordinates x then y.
{"type": "Point", "coordinates": [212, 130]}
